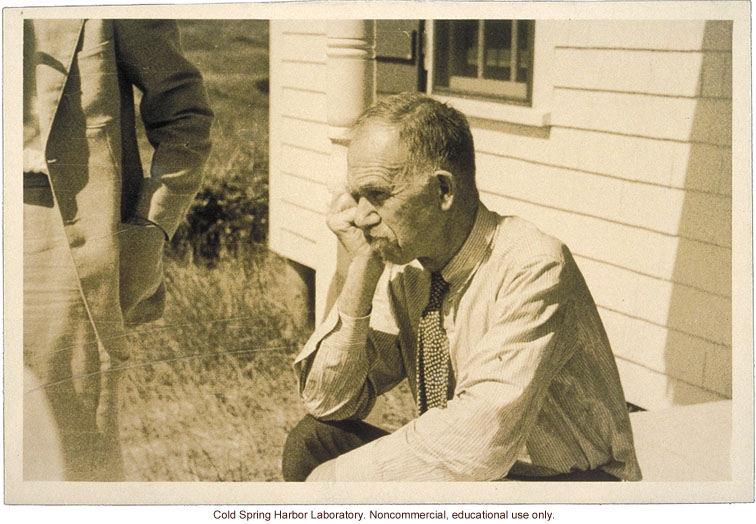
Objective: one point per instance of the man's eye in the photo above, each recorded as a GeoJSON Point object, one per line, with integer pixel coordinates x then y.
{"type": "Point", "coordinates": [377, 197]}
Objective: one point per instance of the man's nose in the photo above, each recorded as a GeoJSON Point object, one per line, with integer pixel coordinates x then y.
{"type": "Point", "coordinates": [366, 215]}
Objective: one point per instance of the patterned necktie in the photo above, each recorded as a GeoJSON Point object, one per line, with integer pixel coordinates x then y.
{"type": "Point", "coordinates": [432, 351]}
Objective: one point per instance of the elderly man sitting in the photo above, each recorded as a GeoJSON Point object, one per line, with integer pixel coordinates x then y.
{"type": "Point", "coordinates": [488, 318]}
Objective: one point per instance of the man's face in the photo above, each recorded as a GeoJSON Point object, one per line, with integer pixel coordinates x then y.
{"type": "Point", "coordinates": [395, 211]}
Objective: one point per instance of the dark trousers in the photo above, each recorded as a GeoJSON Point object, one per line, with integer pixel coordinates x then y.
{"type": "Point", "coordinates": [313, 442]}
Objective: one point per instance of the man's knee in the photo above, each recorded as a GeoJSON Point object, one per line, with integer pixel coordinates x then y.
{"type": "Point", "coordinates": [313, 442]}
{"type": "Point", "coordinates": [301, 433]}
{"type": "Point", "coordinates": [298, 460]}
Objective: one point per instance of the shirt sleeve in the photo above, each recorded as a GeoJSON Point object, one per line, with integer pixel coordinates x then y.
{"type": "Point", "coordinates": [349, 361]}
{"type": "Point", "coordinates": [176, 114]}
{"type": "Point", "coordinates": [484, 428]}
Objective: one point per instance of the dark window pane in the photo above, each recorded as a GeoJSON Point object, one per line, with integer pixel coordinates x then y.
{"type": "Point", "coordinates": [524, 55]}
{"type": "Point", "coordinates": [464, 39]}
{"type": "Point", "coordinates": [441, 53]}
{"type": "Point", "coordinates": [484, 58]}
{"type": "Point", "coordinates": [523, 35]}
{"type": "Point", "coordinates": [498, 49]}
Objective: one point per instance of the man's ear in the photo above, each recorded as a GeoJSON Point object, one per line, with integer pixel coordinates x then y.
{"type": "Point", "coordinates": [447, 188]}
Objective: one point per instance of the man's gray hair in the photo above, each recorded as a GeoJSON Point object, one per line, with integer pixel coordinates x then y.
{"type": "Point", "coordinates": [436, 135]}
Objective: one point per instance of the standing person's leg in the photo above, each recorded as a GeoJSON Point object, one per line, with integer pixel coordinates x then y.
{"type": "Point", "coordinates": [61, 349]}
{"type": "Point", "coordinates": [313, 442]}
{"type": "Point", "coordinates": [43, 453]}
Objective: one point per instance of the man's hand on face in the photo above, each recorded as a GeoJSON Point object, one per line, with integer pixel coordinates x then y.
{"type": "Point", "coordinates": [341, 218]}
{"type": "Point", "coordinates": [366, 266]}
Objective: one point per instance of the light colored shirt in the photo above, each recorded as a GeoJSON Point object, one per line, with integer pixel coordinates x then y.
{"type": "Point", "coordinates": [537, 390]}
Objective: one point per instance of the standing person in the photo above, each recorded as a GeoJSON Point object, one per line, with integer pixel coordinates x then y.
{"type": "Point", "coordinates": [489, 319]}
{"type": "Point", "coordinates": [94, 226]}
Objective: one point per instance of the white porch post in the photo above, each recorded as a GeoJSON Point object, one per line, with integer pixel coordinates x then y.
{"type": "Point", "coordinates": [351, 90]}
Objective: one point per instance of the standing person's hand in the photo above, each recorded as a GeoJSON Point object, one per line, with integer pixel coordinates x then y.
{"type": "Point", "coordinates": [142, 289]}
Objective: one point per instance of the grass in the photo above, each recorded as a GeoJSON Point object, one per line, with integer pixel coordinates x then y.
{"type": "Point", "coordinates": [210, 394]}
{"type": "Point", "coordinates": [216, 395]}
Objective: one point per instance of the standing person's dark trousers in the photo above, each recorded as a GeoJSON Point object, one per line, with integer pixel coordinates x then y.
{"type": "Point", "coordinates": [313, 442]}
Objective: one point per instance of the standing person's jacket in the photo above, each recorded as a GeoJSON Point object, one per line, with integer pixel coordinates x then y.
{"type": "Point", "coordinates": [88, 74]}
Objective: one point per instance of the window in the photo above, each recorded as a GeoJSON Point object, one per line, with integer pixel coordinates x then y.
{"type": "Point", "coordinates": [497, 70]}
{"type": "Point", "coordinates": [484, 58]}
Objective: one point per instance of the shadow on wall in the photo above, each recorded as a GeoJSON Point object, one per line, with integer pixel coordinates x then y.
{"type": "Point", "coordinates": [698, 348]}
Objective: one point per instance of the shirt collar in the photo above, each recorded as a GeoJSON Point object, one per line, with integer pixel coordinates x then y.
{"type": "Point", "coordinates": [473, 251]}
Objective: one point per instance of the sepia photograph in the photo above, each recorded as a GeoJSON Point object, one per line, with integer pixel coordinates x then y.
{"type": "Point", "coordinates": [384, 243]}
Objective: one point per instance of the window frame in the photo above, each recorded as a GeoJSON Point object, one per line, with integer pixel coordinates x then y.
{"type": "Point", "coordinates": [536, 113]}
{"type": "Point", "coordinates": [480, 86]}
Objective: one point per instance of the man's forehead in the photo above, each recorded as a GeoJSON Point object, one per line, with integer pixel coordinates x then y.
{"type": "Point", "coordinates": [378, 178]}
{"type": "Point", "coordinates": [375, 156]}
{"type": "Point", "coordinates": [376, 139]}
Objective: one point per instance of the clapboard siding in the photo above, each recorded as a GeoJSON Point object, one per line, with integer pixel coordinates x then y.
{"type": "Point", "coordinates": [311, 165]}
{"type": "Point", "coordinates": [660, 302]}
{"type": "Point", "coordinates": [633, 71]}
{"type": "Point", "coordinates": [305, 193]}
{"type": "Point", "coordinates": [704, 266]}
{"type": "Point", "coordinates": [303, 104]}
{"type": "Point", "coordinates": [306, 75]}
{"type": "Point", "coordinates": [676, 306]}
{"type": "Point", "coordinates": [706, 120]}
{"type": "Point", "coordinates": [623, 288]}
{"type": "Point", "coordinates": [648, 206]}
{"type": "Point", "coordinates": [677, 354]}
{"type": "Point", "coordinates": [698, 167]}
{"type": "Point", "coordinates": [716, 77]}
{"type": "Point", "coordinates": [665, 35]}
{"type": "Point", "coordinates": [718, 371]}
{"type": "Point", "coordinates": [654, 390]}
{"type": "Point", "coordinates": [694, 361]}
{"type": "Point", "coordinates": [708, 218]}
{"type": "Point", "coordinates": [299, 149]}
{"type": "Point", "coordinates": [677, 331]}
{"type": "Point", "coordinates": [304, 27]}
{"type": "Point", "coordinates": [302, 218]}
{"type": "Point", "coordinates": [308, 48]}
{"type": "Point", "coordinates": [669, 73]}
{"type": "Point", "coordinates": [305, 134]}
{"type": "Point", "coordinates": [634, 174]}
{"type": "Point", "coordinates": [292, 244]}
